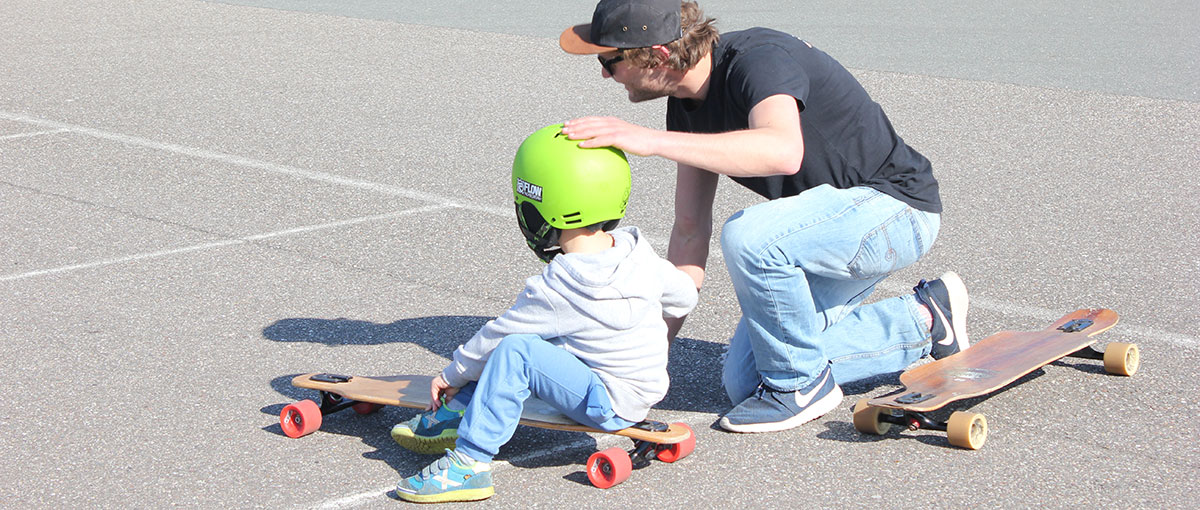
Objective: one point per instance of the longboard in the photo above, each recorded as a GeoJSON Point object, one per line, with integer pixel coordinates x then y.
{"type": "Point", "coordinates": [994, 363]}
{"type": "Point", "coordinates": [666, 442]}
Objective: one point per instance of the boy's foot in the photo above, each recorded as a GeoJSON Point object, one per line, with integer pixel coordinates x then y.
{"type": "Point", "coordinates": [769, 410]}
{"type": "Point", "coordinates": [454, 477]}
{"type": "Point", "coordinates": [430, 432]}
{"type": "Point", "coordinates": [946, 298]}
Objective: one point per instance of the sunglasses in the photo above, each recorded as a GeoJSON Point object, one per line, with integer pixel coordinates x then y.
{"type": "Point", "coordinates": [607, 63]}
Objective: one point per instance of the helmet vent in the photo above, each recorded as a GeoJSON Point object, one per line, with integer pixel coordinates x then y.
{"type": "Point", "coordinates": [572, 218]}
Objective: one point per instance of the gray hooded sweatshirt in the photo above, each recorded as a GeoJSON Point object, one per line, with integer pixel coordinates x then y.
{"type": "Point", "coordinates": [607, 309]}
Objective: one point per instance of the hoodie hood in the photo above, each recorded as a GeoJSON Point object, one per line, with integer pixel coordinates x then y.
{"type": "Point", "coordinates": [606, 309]}
{"type": "Point", "coordinates": [587, 279]}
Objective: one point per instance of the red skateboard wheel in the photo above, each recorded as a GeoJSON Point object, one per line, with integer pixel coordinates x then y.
{"type": "Point", "coordinates": [300, 419]}
{"type": "Point", "coordinates": [609, 467]}
{"type": "Point", "coordinates": [365, 408]}
{"type": "Point", "coordinates": [673, 452]}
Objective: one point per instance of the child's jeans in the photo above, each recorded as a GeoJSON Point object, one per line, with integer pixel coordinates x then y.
{"type": "Point", "coordinates": [520, 367]}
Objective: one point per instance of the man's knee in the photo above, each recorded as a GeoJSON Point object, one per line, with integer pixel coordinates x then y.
{"type": "Point", "coordinates": [739, 243]}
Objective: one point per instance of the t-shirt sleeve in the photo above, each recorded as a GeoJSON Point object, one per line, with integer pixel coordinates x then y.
{"type": "Point", "coordinates": [764, 71]}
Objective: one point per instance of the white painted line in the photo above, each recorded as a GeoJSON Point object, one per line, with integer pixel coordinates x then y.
{"type": "Point", "coordinates": [695, 420]}
{"type": "Point", "coordinates": [362, 498]}
{"type": "Point", "coordinates": [1124, 328]}
{"type": "Point", "coordinates": [31, 134]}
{"type": "Point", "coordinates": [259, 165]}
{"type": "Point", "coordinates": [1001, 306]}
{"type": "Point", "coordinates": [354, 500]}
{"type": "Point", "coordinates": [218, 244]}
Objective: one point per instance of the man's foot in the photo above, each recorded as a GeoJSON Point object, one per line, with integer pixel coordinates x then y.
{"type": "Point", "coordinates": [769, 410]}
{"type": "Point", "coordinates": [946, 298]}
{"type": "Point", "coordinates": [454, 477]}
{"type": "Point", "coordinates": [430, 432]}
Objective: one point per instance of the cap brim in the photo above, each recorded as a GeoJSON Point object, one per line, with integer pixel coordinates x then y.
{"type": "Point", "coordinates": [575, 40]}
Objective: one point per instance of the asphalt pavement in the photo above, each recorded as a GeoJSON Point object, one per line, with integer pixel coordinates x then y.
{"type": "Point", "coordinates": [199, 200]}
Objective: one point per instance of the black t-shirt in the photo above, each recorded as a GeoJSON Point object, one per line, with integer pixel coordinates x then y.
{"type": "Point", "coordinates": [848, 140]}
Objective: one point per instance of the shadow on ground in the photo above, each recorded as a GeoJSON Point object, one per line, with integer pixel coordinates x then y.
{"type": "Point", "coordinates": [440, 334]}
{"type": "Point", "coordinates": [695, 365]}
{"type": "Point", "coordinates": [844, 431]}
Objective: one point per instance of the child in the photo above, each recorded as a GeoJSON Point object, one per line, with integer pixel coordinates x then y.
{"type": "Point", "coordinates": [586, 335]}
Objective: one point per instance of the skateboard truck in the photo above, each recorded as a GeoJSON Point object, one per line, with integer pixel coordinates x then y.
{"type": "Point", "coordinates": [332, 402]}
{"type": "Point", "coordinates": [913, 420]}
{"type": "Point", "coordinates": [645, 451]}
{"type": "Point", "coordinates": [987, 366]}
{"type": "Point", "coordinates": [652, 440]}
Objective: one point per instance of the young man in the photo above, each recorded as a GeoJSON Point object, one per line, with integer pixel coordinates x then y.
{"type": "Point", "coordinates": [848, 202]}
{"type": "Point", "coordinates": [587, 335]}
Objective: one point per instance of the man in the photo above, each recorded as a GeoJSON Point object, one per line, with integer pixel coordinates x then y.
{"type": "Point", "coordinates": [848, 202]}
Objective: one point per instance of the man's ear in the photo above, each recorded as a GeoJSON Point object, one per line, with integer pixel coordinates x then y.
{"type": "Point", "coordinates": [662, 51]}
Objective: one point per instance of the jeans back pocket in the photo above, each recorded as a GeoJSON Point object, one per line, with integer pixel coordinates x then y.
{"type": "Point", "coordinates": [900, 241]}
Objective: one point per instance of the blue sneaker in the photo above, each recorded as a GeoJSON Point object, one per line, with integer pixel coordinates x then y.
{"type": "Point", "coordinates": [454, 477]}
{"type": "Point", "coordinates": [430, 432]}
{"type": "Point", "coordinates": [769, 410]}
{"type": "Point", "coordinates": [947, 300]}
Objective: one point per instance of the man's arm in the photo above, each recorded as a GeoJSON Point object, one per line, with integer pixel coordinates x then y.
{"type": "Point", "coordinates": [772, 144]}
{"type": "Point", "coordinates": [695, 190]}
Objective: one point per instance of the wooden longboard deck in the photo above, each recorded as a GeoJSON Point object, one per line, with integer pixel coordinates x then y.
{"type": "Point", "coordinates": [994, 362]}
{"type": "Point", "coordinates": [413, 391]}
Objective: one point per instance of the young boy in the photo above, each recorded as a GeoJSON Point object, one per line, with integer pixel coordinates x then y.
{"type": "Point", "coordinates": [587, 335]}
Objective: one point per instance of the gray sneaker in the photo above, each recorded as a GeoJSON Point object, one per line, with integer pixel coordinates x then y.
{"type": "Point", "coordinates": [769, 410]}
{"type": "Point", "coordinates": [946, 298]}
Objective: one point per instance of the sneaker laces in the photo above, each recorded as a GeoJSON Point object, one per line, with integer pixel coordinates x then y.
{"type": "Point", "coordinates": [920, 285]}
{"type": "Point", "coordinates": [763, 389]}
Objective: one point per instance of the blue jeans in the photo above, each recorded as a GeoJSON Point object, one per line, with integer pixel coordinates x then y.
{"type": "Point", "coordinates": [801, 267]}
{"type": "Point", "coordinates": [522, 366]}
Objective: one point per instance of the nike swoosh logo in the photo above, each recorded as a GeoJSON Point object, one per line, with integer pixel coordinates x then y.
{"type": "Point", "coordinates": [949, 327]}
{"type": "Point", "coordinates": [807, 399]}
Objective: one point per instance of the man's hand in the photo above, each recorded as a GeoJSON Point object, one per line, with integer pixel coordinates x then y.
{"type": "Point", "coordinates": [437, 389]}
{"type": "Point", "coordinates": [773, 144]}
{"type": "Point", "coordinates": [611, 132]}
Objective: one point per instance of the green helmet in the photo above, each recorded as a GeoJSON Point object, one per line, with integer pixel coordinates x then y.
{"type": "Point", "coordinates": [557, 185]}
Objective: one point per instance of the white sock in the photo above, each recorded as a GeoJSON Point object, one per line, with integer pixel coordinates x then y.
{"type": "Point", "coordinates": [926, 316]}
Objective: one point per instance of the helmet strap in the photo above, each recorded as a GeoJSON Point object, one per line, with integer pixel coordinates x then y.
{"type": "Point", "coordinates": [540, 236]}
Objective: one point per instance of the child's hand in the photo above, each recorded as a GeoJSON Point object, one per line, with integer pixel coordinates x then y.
{"type": "Point", "coordinates": [438, 390]}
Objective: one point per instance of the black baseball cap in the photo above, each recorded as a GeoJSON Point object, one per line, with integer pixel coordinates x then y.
{"type": "Point", "coordinates": [621, 24]}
